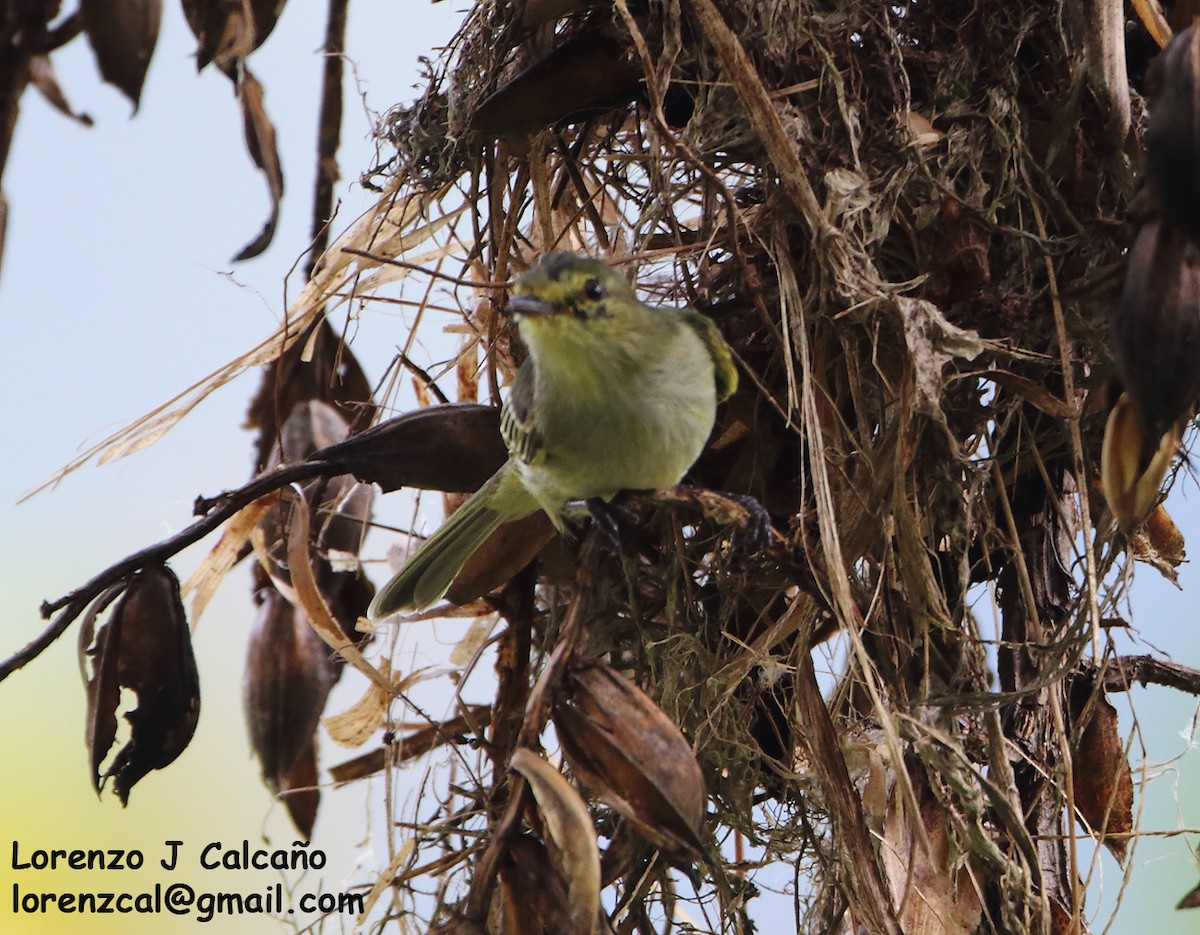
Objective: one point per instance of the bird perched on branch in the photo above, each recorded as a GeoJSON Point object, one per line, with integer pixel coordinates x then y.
{"type": "Point", "coordinates": [615, 395]}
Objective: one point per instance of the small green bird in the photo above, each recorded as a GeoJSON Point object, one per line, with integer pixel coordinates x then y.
{"type": "Point", "coordinates": [615, 395]}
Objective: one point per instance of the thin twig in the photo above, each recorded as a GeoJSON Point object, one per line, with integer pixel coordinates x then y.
{"type": "Point", "coordinates": [432, 273]}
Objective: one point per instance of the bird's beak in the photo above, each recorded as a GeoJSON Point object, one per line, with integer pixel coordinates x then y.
{"type": "Point", "coordinates": [529, 305]}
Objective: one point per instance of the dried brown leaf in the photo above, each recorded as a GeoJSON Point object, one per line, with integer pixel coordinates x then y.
{"type": "Point", "coordinates": [933, 894]}
{"type": "Point", "coordinates": [122, 34]}
{"type": "Point", "coordinates": [1191, 900]}
{"type": "Point", "coordinates": [43, 77]}
{"type": "Point", "coordinates": [227, 32]}
{"type": "Point", "coordinates": [300, 562]}
{"type": "Point", "coordinates": [1160, 544]}
{"type": "Point", "coordinates": [624, 747]}
{"type": "Point", "coordinates": [144, 648]}
{"type": "Point", "coordinates": [260, 140]}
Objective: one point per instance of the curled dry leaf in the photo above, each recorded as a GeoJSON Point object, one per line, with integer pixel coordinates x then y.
{"type": "Point", "coordinates": [43, 77]}
{"type": "Point", "coordinates": [933, 892]}
{"type": "Point", "coordinates": [1159, 543]}
{"type": "Point", "coordinates": [1103, 782]}
{"type": "Point", "coordinates": [308, 594]}
{"type": "Point", "coordinates": [122, 34]}
{"type": "Point", "coordinates": [623, 746]}
{"type": "Point", "coordinates": [260, 140]}
{"type": "Point", "coordinates": [1173, 133]}
{"type": "Point", "coordinates": [289, 674]}
{"type": "Point", "coordinates": [143, 648]}
{"type": "Point", "coordinates": [354, 726]}
{"type": "Point", "coordinates": [1156, 327]}
{"type": "Point", "coordinates": [570, 829]}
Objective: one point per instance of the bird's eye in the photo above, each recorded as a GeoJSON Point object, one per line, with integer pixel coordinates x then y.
{"type": "Point", "coordinates": [594, 290]}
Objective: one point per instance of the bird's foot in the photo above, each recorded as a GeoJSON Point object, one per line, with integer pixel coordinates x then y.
{"type": "Point", "coordinates": [752, 522]}
{"type": "Point", "coordinates": [753, 525]}
{"type": "Point", "coordinates": [605, 517]}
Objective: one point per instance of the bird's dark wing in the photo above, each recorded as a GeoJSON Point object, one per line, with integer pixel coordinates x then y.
{"type": "Point", "coordinates": [517, 429]}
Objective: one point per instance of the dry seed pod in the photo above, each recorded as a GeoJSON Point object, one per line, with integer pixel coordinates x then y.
{"type": "Point", "coordinates": [570, 829]}
{"type": "Point", "coordinates": [1173, 135]}
{"type": "Point", "coordinates": [626, 749]}
{"type": "Point", "coordinates": [1133, 465]}
{"type": "Point", "coordinates": [144, 648]}
{"type": "Point", "coordinates": [1156, 329]}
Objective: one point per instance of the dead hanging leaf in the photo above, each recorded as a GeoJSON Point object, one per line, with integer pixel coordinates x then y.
{"type": "Point", "coordinates": [1156, 327]}
{"type": "Point", "coordinates": [1160, 544]}
{"type": "Point", "coordinates": [624, 747]}
{"type": "Point", "coordinates": [1103, 782]}
{"type": "Point", "coordinates": [260, 140]}
{"type": "Point", "coordinates": [570, 829]}
{"type": "Point", "coordinates": [122, 34]}
{"type": "Point", "coordinates": [533, 894]}
{"type": "Point", "coordinates": [1132, 465]}
{"type": "Point", "coordinates": [316, 367]}
{"type": "Point", "coordinates": [43, 77]}
{"type": "Point", "coordinates": [323, 621]}
{"type": "Point", "coordinates": [143, 649]}
{"type": "Point", "coordinates": [289, 674]}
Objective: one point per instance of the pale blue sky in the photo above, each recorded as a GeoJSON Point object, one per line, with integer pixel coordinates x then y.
{"type": "Point", "coordinates": [116, 292]}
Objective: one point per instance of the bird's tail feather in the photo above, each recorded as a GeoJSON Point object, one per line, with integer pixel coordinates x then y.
{"type": "Point", "coordinates": [430, 570]}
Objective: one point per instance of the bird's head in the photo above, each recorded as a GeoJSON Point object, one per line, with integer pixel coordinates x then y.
{"type": "Point", "coordinates": [566, 294]}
